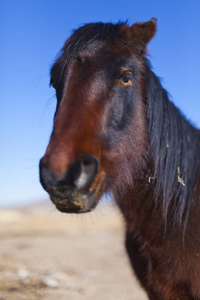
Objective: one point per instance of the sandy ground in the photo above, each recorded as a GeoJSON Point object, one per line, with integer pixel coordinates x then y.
{"type": "Point", "coordinates": [47, 255]}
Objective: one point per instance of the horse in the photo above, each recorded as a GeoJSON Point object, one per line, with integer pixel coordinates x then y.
{"type": "Point", "coordinates": [116, 131]}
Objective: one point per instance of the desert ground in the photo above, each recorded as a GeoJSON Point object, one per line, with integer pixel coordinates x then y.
{"type": "Point", "coordinates": [47, 255]}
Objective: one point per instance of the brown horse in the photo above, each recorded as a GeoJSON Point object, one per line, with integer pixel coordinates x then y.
{"type": "Point", "coordinates": [115, 130]}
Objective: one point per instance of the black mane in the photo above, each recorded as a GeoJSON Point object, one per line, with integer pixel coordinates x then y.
{"type": "Point", "coordinates": [176, 148]}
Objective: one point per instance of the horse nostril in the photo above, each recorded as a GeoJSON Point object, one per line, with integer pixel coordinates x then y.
{"type": "Point", "coordinates": [89, 168]}
{"type": "Point", "coordinates": [47, 177]}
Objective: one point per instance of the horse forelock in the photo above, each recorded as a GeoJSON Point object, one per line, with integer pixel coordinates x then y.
{"type": "Point", "coordinates": [80, 39]}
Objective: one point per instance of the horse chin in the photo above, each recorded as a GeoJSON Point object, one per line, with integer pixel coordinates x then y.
{"type": "Point", "coordinates": [76, 201]}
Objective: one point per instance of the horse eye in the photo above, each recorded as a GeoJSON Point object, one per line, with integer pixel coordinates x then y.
{"type": "Point", "coordinates": [125, 79]}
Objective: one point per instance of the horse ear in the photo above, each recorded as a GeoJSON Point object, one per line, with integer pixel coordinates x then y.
{"type": "Point", "coordinates": [139, 34]}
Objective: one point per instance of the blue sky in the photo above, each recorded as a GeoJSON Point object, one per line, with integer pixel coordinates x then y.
{"type": "Point", "coordinates": [32, 33]}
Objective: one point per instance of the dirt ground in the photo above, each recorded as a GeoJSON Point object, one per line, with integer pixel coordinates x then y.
{"type": "Point", "coordinates": [47, 255]}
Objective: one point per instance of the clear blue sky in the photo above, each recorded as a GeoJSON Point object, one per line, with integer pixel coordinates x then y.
{"type": "Point", "coordinates": [31, 34]}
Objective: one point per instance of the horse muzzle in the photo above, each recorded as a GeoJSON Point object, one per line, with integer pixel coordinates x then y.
{"type": "Point", "coordinates": [79, 190]}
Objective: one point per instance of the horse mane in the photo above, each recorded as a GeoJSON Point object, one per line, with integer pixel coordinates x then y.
{"type": "Point", "coordinates": [176, 150]}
